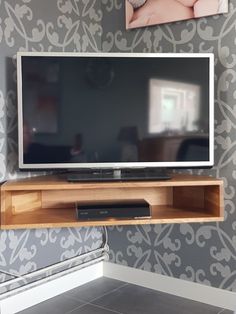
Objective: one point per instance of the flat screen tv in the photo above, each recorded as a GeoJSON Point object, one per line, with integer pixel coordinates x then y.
{"type": "Point", "coordinates": [115, 110]}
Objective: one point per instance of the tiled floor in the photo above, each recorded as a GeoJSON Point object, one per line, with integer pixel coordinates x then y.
{"type": "Point", "coordinates": [107, 296]}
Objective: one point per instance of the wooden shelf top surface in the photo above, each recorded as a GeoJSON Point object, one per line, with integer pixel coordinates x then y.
{"type": "Point", "coordinates": [54, 182]}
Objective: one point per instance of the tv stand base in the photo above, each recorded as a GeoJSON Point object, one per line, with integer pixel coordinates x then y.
{"type": "Point", "coordinates": [119, 175]}
{"type": "Point", "coordinates": [50, 201]}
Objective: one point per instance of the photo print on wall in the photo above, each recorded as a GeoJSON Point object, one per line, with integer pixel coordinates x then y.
{"type": "Point", "coordinates": [140, 13]}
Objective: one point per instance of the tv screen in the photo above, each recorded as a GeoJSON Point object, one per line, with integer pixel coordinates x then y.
{"type": "Point", "coordinates": [113, 110]}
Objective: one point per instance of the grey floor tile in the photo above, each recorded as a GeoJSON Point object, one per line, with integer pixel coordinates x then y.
{"type": "Point", "coordinates": [226, 312]}
{"type": "Point", "coordinates": [57, 305]}
{"type": "Point", "coordinates": [92, 309]}
{"type": "Point", "coordinates": [132, 299]}
{"type": "Point", "coordinates": [94, 289]}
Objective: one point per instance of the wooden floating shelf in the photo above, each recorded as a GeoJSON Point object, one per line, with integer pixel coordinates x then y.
{"type": "Point", "coordinates": [49, 201]}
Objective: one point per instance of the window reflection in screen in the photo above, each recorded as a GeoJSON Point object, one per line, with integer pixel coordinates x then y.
{"type": "Point", "coordinates": [173, 106]}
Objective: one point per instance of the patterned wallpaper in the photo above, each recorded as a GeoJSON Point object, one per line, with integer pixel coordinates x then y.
{"type": "Point", "coordinates": [32, 25]}
{"type": "Point", "coordinates": [204, 253]}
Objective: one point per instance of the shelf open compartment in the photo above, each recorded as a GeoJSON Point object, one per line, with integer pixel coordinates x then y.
{"type": "Point", "coordinates": [50, 202]}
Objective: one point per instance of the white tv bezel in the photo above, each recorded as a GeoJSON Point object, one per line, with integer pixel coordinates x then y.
{"type": "Point", "coordinates": [117, 165]}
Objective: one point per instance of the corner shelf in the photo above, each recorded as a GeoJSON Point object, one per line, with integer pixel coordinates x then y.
{"type": "Point", "coordinates": [49, 201]}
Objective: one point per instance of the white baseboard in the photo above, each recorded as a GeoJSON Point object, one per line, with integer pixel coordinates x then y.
{"type": "Point", "coordinates": [182, 288]}
{"type": "Point", "coordinates": [26, 298]}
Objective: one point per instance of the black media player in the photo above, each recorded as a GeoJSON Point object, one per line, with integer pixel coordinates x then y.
{"type": "Point", "coordinates": [113, 209]}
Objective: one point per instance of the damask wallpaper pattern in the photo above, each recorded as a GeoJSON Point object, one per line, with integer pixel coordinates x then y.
{"type": "Point", "coordinates": [204, 253]}
{"type": "Point", "coordinates": [31, 25]}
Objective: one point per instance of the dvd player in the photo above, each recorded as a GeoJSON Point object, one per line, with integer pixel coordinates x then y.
{"type": "Point", "coordinates": [107, 209]}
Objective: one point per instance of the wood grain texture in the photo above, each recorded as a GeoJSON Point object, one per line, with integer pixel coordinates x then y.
{"type": "Point", "coordinates": [45, 202]}
{"type": "Point", "coordinates": [192, 196]}
{"type": "Point", "coordinates": [60, 183]}
{"type": "Point", "coordinates": [214, 200]}
{"type": "Point", "coordinates": [25, 201]}
{"type": "Point", "coordinates": [57, 218]}
{"type": "Point", "coordinates": [6, 207]}
{"type": "Point", "coordinates": [153, 195]}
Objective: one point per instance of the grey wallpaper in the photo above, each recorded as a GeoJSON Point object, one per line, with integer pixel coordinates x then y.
{"type": "Point", "coordinates": [204, 253]}
{"type": "Point", "coordinates": [31, 25]}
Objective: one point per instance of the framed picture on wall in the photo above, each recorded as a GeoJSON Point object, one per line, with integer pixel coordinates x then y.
{"type": "Point", "coordinates": [140, 13]}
